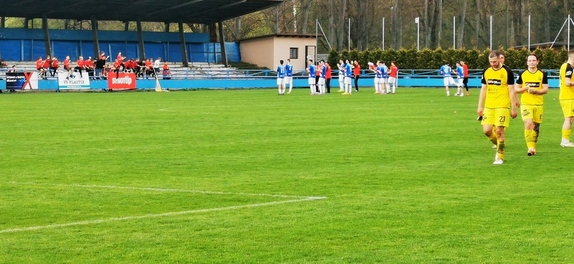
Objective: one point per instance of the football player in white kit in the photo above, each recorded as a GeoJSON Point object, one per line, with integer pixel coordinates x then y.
{"type": "Point", "coordinates": [341, 66]}
{"type": "Point", "coordinates": [379, 80]}
{"type": "Point", "coordinates": [349, 76]}
{"type": "Point", "coordinates": [311, 70]}
{"type": "Point", "coordinates": [446, 73]}
{"type": "Point", "coordinates": [460, 79]}
{"type": "Point", "coordinates": [289, 75]}
{"type": "Point", "coordinates": [281, 78]}
{"type": "Point", "coordinates": [322, 76]}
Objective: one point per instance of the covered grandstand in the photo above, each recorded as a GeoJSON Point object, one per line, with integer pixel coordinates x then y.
{"type": "Point", "coordinates": [167, 11]}
{"type": "Point", "coordinates": [191, 56]}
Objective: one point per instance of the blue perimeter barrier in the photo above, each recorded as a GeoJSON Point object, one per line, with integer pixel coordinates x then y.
{"type": "Point", "coordinates": [366, 81]}
{"type": "Point", "coordinates": [254, 84]}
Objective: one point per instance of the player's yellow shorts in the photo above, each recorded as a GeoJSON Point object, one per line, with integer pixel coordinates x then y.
{"type": "Point", "coordinates": [567, 107]}
{"type": "Point", "coordinates": [533, 112]}
{"type": "Point", "coordinates": [499, 117]}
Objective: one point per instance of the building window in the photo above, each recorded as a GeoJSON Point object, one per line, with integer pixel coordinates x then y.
{"type": "Point", "coordinates": [293, 53]}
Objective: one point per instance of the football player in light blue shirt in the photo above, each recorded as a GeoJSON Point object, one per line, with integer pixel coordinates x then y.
{"type": "Point", "coordinates": [386, 86]}
{"type": "Point", "coordinates": [379, 78]}
{"type": "Point", "coordinates": [289, 75]}
{"type": "Point", "coordinates": [348, 77]}
{"type": "Point", "coordinates": [311, 70]}
{"type": "Point", "coordinates": [322, 76]}
{"type": "Point", "coordinates": [281, 78]}
{"type": "Point", "coordinates": [445, 71]}
{"type": "Point", "coordinates": [460, 79]}
{"type": "Point", "coordinates": [341, 67]}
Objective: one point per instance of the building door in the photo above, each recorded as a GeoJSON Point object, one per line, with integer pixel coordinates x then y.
{"type": "Point", "coordinates": [310, 54]}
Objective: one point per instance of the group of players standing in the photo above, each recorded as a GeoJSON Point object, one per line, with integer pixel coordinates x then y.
{"type": "Point", "coordinates": [385, 78]}
{"type": "Point", "coordinates": [320, 75]}
{"type": "Point", "coordinates": [461, 72]}
{"type": "Point", "coordinates": [284, 76]}
{"type": "Point", "coordinates": [498, 101]}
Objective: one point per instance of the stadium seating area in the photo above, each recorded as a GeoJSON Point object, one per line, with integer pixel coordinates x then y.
{"type": "Point", "coordinates": [196, 70]}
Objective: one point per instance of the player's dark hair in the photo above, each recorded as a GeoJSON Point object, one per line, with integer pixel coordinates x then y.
{"type": "Point", "coordinates": [494, 54]}
{"type": "Point", "coordinates": [533, 54]}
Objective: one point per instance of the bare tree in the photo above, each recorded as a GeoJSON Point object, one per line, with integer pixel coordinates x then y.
{"type": "Point", "coordinates": [340, 33]}
{"type": "Point", "coordinates": [461, 28]}
{"type": "Point", "coordinates": [305, 7]}
{"type": "Point", "coordinates": [432, 29]}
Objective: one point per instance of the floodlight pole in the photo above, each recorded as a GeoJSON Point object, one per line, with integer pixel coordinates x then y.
{"type": "Point", "coordinates": [528, 32]}
{"type": "Point", "coordinates": [349, 35]}
{"type": "Point", "coordinates": [454, 32]}
{"type": "Point", "coordinates": [490, 32]}
{"type": "Point", "coordinates": [417, 21]}
{"type": "Point", "coordinates": [392, 30]}
{"type": "Point", "coordinates": [383, 33]}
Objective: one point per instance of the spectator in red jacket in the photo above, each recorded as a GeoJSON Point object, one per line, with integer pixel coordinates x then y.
{"type": "Point", "coordinates": [80, 65]}
{"type": "Point", "coordinates": [116, 67]}
{"type": "Point", "coordinates": [67, 64]}
{"type": "Point", "coordinates": [89, 66]}
{"type": "Point", "coordinates": [46, 67]}
{"type": "Point", "coordinates": [149, 68]}
{"type": "Point", "coordinates": [129, 65]}
{"type": "Point", "coordinates": [54, 66]}
{"type": "Point", "coordinates": [39, 63]}
{"type": "Point", "coordinates": [328, 77]}
{"type": "Point", "coordinates": [465, 75]}
{"type": "Point", "coordinates": [357, 74]}
{"type": "Point", "coordinates": [166, 72]}
{"type": "Point", "coordinates": [47, 62]}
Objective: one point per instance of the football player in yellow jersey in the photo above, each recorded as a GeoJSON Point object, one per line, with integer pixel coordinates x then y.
{"type": "Point", "coordinates": [502, 58]}
{"type": "Point", "coordinates": [532, 84]}
{"type": "Point", "coordinates": [567, 99]}
{"type": "Point", "coordinates": [497, 103]}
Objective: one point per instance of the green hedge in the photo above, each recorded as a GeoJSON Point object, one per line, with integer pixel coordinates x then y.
{"type": "Point", "coordinates": [433, 59]}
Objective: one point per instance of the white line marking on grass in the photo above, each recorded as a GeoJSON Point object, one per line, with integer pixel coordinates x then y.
{"type": "Point", "coordinates": [293, 199]}
{"type": "Point", "coordinates": [126, 218]}
{"type": "Point", "coordinates": [88, 186]}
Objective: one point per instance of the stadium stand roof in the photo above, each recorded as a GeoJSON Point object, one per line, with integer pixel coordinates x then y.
{"type": "Point", "coordinates": [186, 11]}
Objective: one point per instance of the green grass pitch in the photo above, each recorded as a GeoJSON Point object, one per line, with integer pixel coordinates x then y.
{"type": "Point", "coordinates": [247, 176]}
